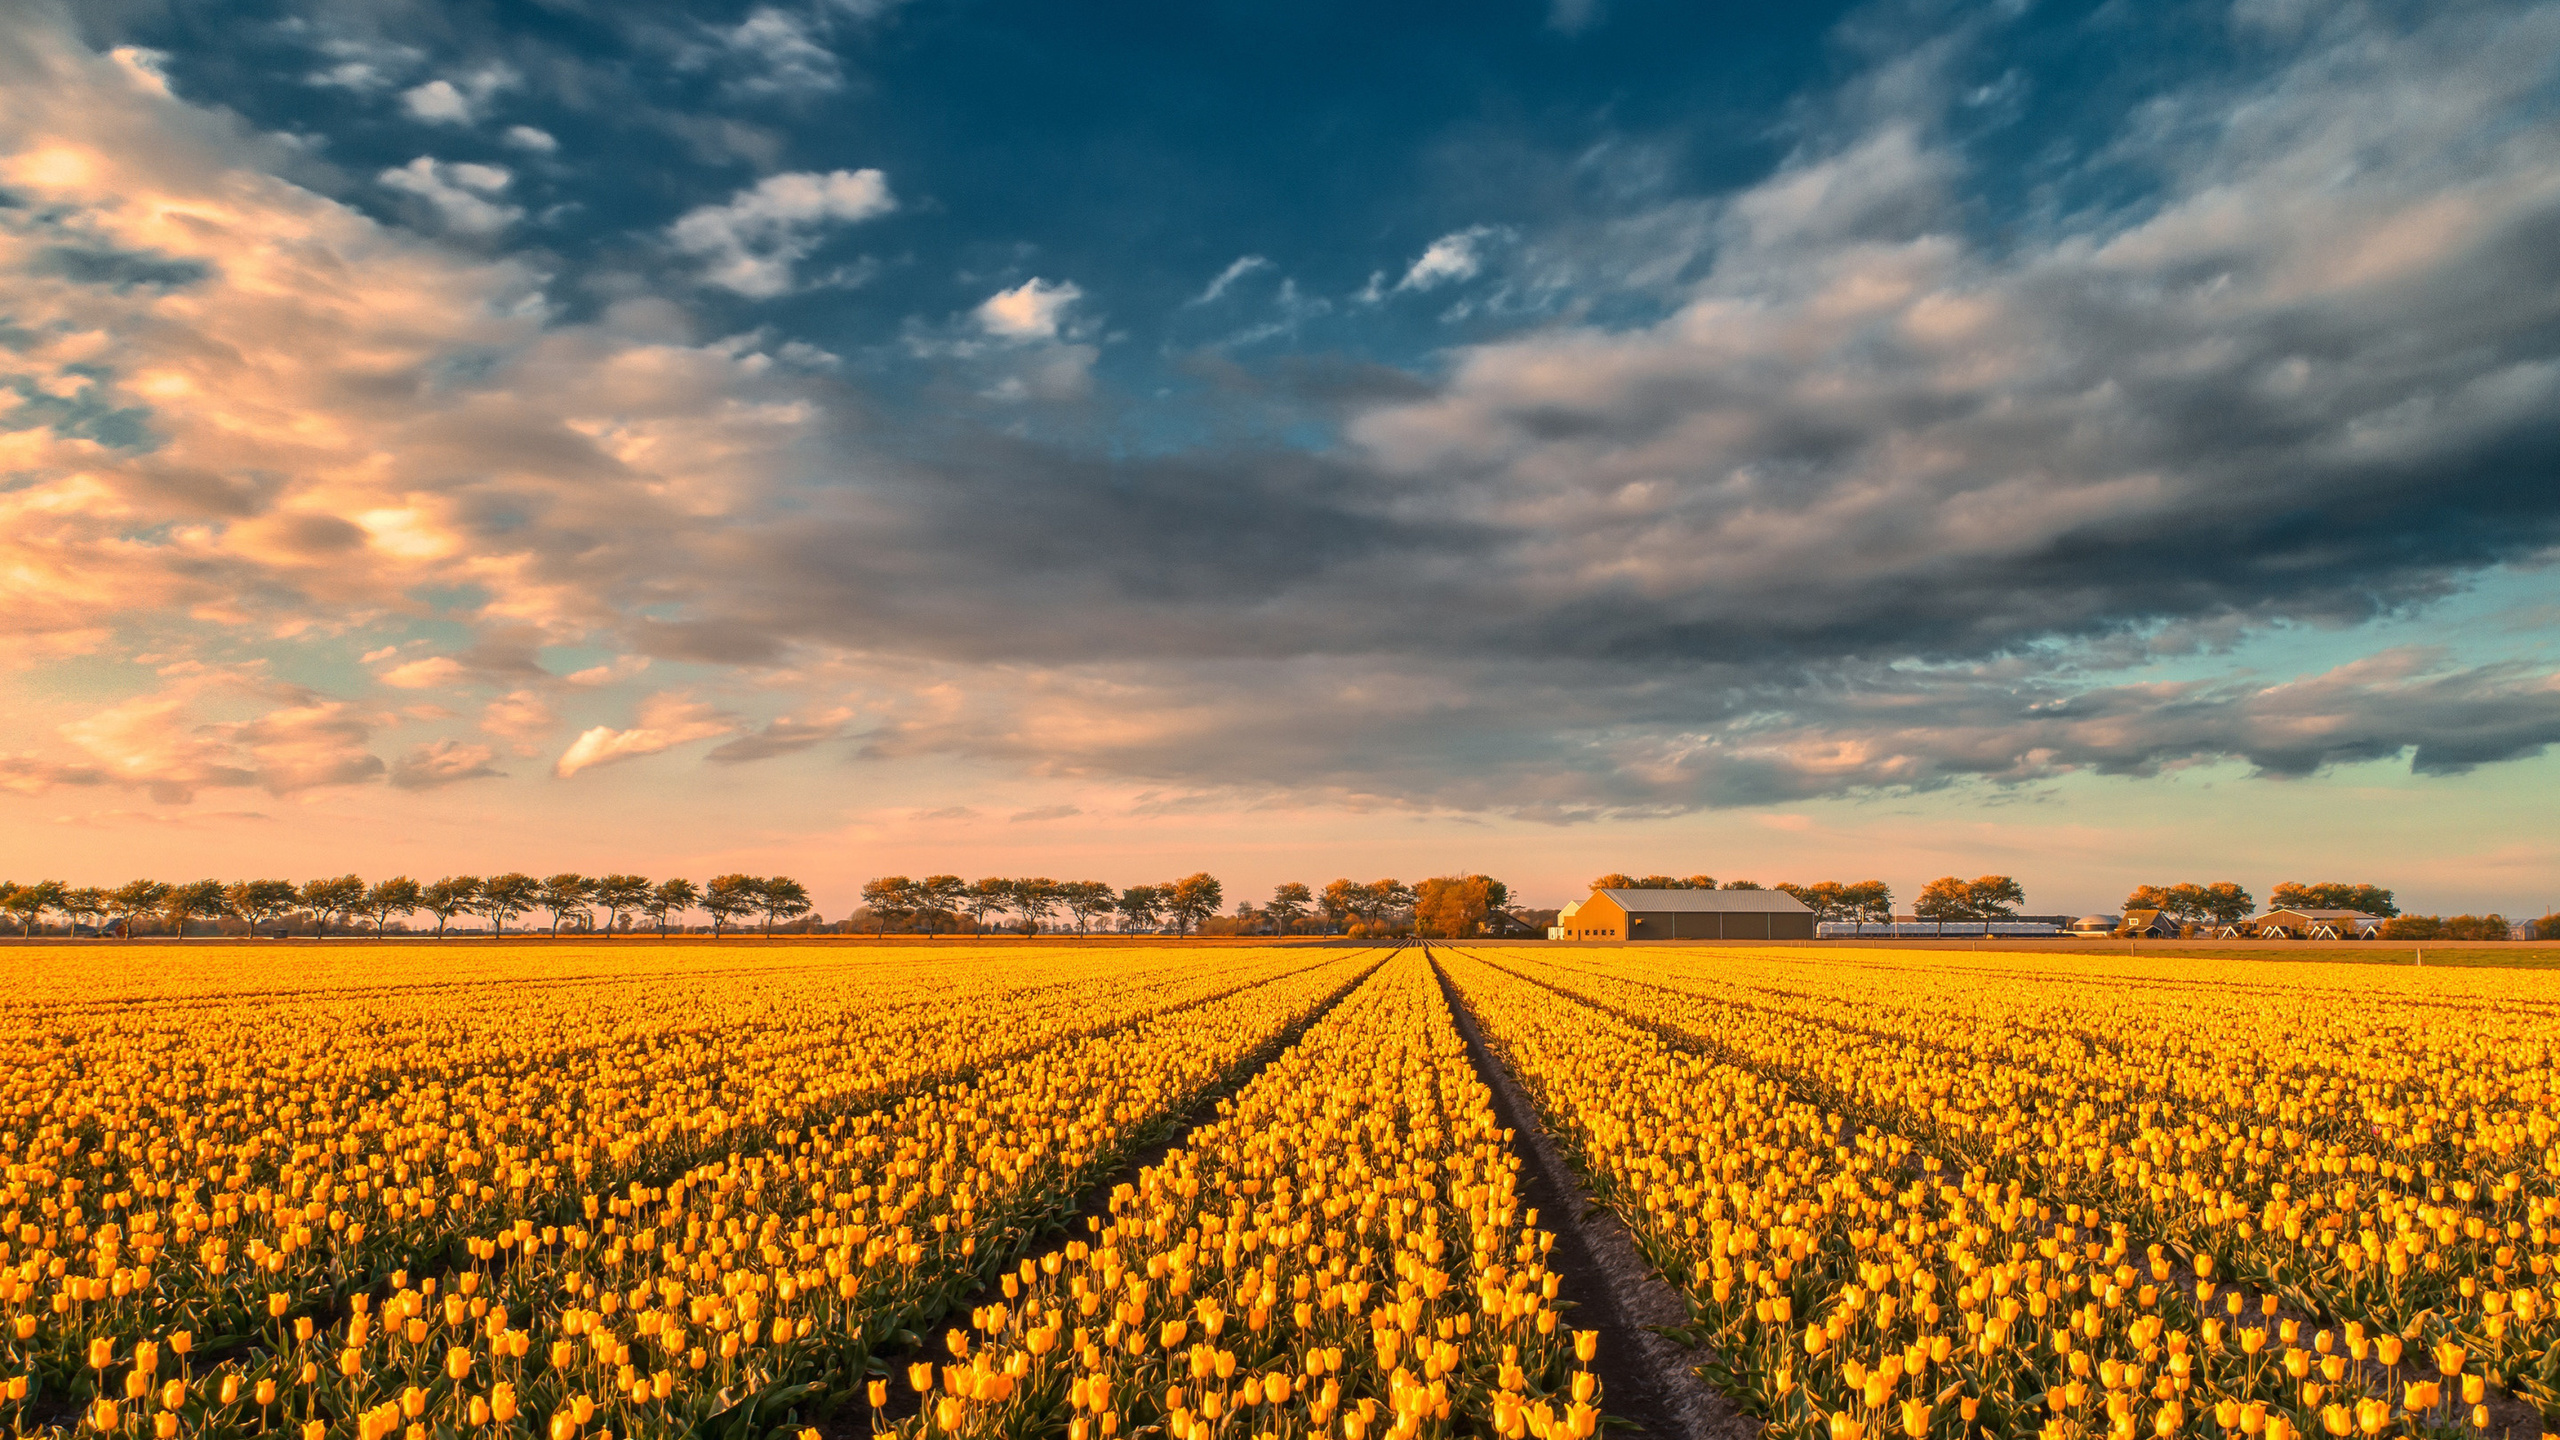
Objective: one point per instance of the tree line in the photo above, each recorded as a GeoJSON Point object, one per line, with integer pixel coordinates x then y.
{"type": "Point", "coordinates": [1448, 905]}
{"type": "Point", "coordinates": [1856, 902]}
{"type": "Point", "coordinates": [2225, 903]}
{"type": "Point", "coordinates": [567, 897]}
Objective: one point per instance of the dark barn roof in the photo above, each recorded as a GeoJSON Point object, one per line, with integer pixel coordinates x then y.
{"type": "Point", "coordinates": [1727, 901]}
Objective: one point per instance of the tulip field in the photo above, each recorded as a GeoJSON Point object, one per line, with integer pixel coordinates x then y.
{"type": "Point", "coordinates": [1927, 1194]}
{"type": "Point", "coordinates": [622, 1189]}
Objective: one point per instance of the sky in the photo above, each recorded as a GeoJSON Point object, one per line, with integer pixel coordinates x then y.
{"type": "Point", "coordinates": [2098, 443]}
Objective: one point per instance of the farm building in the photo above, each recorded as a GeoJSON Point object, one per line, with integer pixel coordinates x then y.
{"type": "Point", "coordinates": [2308, 925]}
{"type": "Point", "coordinates": [1685, 915]}
{"type": "Point", "coordinates": [2149, 924]}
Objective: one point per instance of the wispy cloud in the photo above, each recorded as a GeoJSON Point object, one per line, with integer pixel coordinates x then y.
{"type": "Point", "coordinates": [665, 722]}
{"type": "Point", "coordinates": [461, 192]}
{"type": "Point", "coordinates": [751, 243]}
{"type": "Point", "coordinates": [1032, 310]}
{"type": "Point", "coordinates": [1244, 265]}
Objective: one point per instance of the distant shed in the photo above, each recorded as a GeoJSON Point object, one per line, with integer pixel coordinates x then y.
{"type": "Point", "coordinates": [1686, 915]}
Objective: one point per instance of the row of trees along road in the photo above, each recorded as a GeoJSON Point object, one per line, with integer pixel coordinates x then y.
{"type": "Point", "coordinates": [567, 898]}
{"type": "Point", "coordinates": [1447, 905]}
{"type": "Point", "coordinates": [938, 901]}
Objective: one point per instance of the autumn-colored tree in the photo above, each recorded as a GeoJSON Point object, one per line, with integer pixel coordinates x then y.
{"type": "Point", "coordinates": [29, 902]}
{"type": "Point", "coordinates": [1387, 901]}
{"type": "Point", "coordinates": [563, 895]}
{"type": "Point", "coordinates": [193, 900]}
{"type": "Point", "coordinates": [2225, 903]}
{"type": "Point", "coordinates": [1993, 897]}
{"type": "Point", "coordinates": [1341, 902]}
{"type": "Point", "coordinates": [891, 897]}
{"type": "Point", "coordinates": [1943, 899]}
{"type": "Point", "coordinates": [84, 901]}
{"type": "Point", "coordinates": [504, 897]}
{"type": "Point", "coordinates": [398, 895]}
{"type": "Point", "coordinates": [726, 897]}
{"type": "Point", "coordinates": [621, 895]}
{"type": "Point", "coordinates": [1192, 899]}
{"type": "Point", "coordinates": [1451, 907]}
{"type": "Point", "coordinates": [780, 898]}
{"type": "Point", "coordinates": [330, 898]}
{"type": "Point", "coordinates": [2333, 895]}
{"type": "Point", "coordinates": [1034, 899]}
{"type": "Point", "coordinates": [453, 895]}
{"type": "Point", "coordinates": [256, 900]}
{"type": "Point", "coordinates": [135, 899]}
{"type": "Point", "coordinates": [1140, 907]}
{"type": "Point", "coordinates": [1290, 903]}
{"type": "Point", "coordinates": [1085, 899]}
{"type": "Point", "coordinates": [985, 898]}
{"type": "Point", "coordinates": [1825, 898]}
{"type": "Point", "coordinates": [939, 897]}
{"type": "Point", "coordinates": [1867, 900]}
{"type": "Point", "coordinates": [669, 898]}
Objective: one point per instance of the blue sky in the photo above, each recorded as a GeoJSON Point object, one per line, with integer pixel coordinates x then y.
{"type": "Point", "coordinates": [2080, 440]}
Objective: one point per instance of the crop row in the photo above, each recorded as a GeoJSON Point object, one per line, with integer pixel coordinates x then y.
{"type": "Point", "coordinates": [1342, 1251]}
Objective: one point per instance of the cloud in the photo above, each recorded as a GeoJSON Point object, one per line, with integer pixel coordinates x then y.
{"type": "Point", "coordinates": [1039, 813]}
{"type": "Point", "coordinates": [784, 735]}
{"type": "Point", "coordinates": [1871, 475]}
{"type": "Point", "coordinates": [442, 762]}
{"type": "Point", "coordinates": [620, 667]}
{"type": "Point", "coordinates": [1031, 310]}
{"type": "Point", "coordinates": [521, 716]}
{"type": "Point", "coordinates": [33, 774]}
{"type": "Point", "coordinates": [666, 721]}
{"type": "Point", "coordinates": [777, 55]}
{"type": "Point", "coordinates": [459, 192]}
{"type": "Point", "coordinates": [443, 102]}
{"type": "Point", "coordinates": [1244, 265]}
{"type": "Point", "coordinates": [1452, 257]}
{"type": "Point", "coordinates": [160, 742]}
{"type": "Point", "coordinates": [750, 244]}
{"type": "Point", "coordinates": [526, 137]}
{"type": "Point", "coordinates": [433, 672]}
